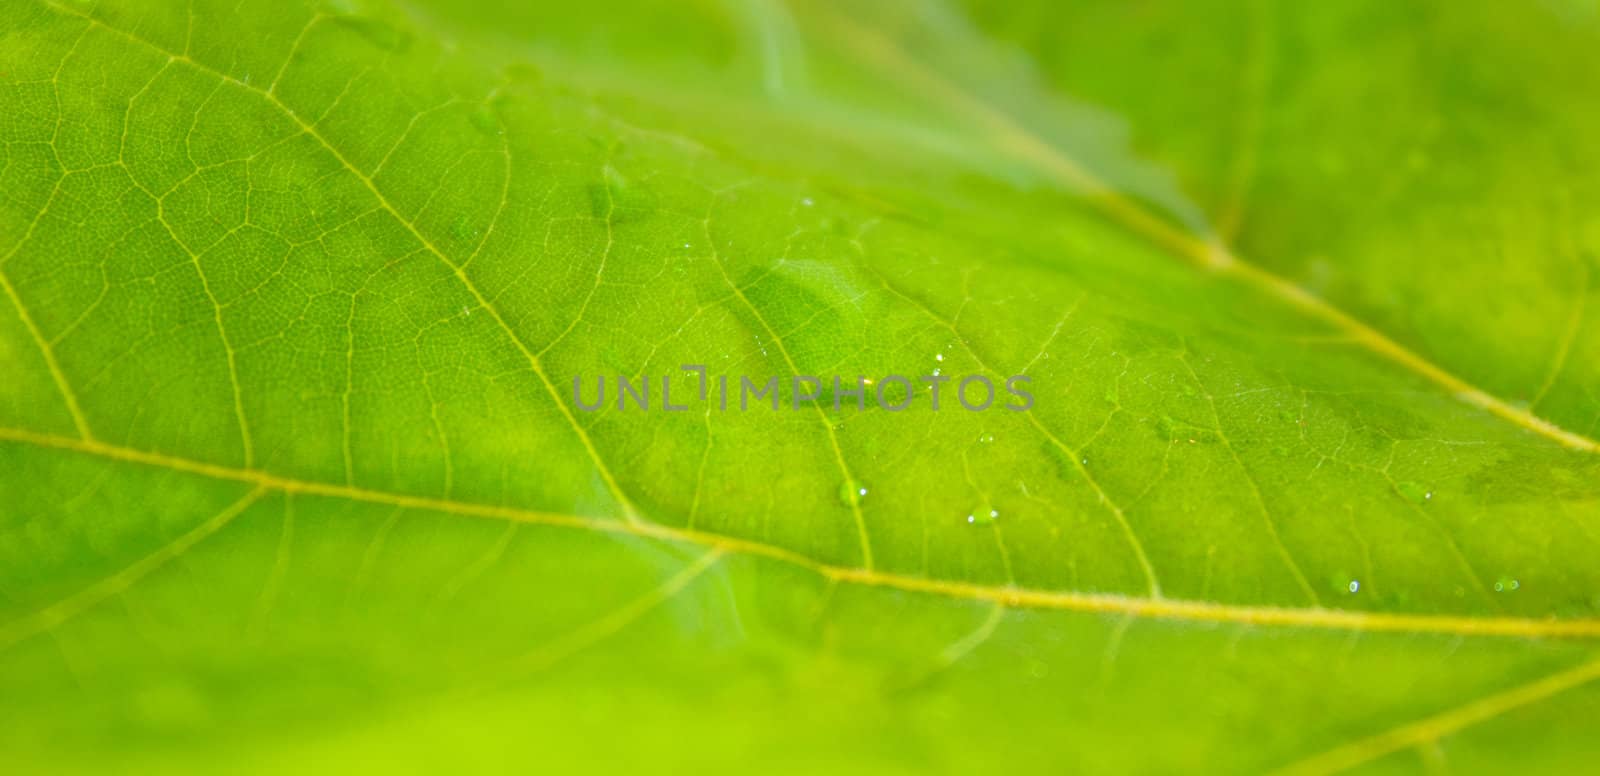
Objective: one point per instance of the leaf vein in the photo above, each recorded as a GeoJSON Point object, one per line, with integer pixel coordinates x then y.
{"type": "Point", "coordinates": [1143, 607]}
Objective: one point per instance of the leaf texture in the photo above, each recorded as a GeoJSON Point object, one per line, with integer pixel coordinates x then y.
{"type": "Point", "coordinates": [292, 476]}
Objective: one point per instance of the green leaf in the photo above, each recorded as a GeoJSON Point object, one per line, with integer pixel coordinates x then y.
{"type": "Point", "coordinates": [292, 476]}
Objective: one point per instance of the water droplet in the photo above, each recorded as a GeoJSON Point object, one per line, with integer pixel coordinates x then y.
{"type": "Point", "coordinates": [1085, 462]}
{"type": "Point", "coordinates": [938, 357]}
{"type": "Point", "coordinates": [986, 438]}
{"type": "Point", "coordinates": [807, 202]}
{"type": "Point", "coordinates": [851, 492]}
{"type": "Point", "coordinates": [983, 516]}
{"type": "Point", "coordinates": [1355, 585]}
{"type": "Point", "coordinates": [1415, 492]}
{"type": "Point", "coordinates": [1506, 584]}
{"type": "Point", "coordinates": [936, 371]}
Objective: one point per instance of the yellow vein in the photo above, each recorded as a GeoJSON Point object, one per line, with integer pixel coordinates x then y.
{"type": "Point", "coordinates": [958, 650]}
{"type": "Point", "coordinates": [1105, 500]}
{"type": "Point", "coordinates": [1072, 455]}
{"type": "Point", "coordinates": [1431, 729]}
{"type": "Point", "coordinates": [54, 615]}
{"type": "Point", "coordinates": [827, 425]}
{"type": "Point", "coordinates": [383, 201]}
{"type": "Point", "coordinates": [1154, 608]}
{"type": "Point", "coordinates": [216, 312]}
{"type": "Point", "coordinates": [1250, 479]}
{"type": "Point", "coordinates": [964, 646]}
{"type": "Point", "coordinates": [67, 394]}
{"type": "Point", "coordinates": [1009, 136]}
{"type": "Point", "coordinates": [45, 349]}
{"type": "Point", "coordinates": [71, 399]}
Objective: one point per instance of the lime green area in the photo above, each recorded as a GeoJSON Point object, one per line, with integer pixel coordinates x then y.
{"type": "Point", "coordinates": [291, 477]}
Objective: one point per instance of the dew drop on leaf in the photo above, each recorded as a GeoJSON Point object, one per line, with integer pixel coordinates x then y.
{"type": "Point", "coordinates": [851, 492]}
{"type": "Point", "coordinates": [1415, 492]}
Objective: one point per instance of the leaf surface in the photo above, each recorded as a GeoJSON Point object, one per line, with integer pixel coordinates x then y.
{"type": "Point", "coordinates": [292, 475]}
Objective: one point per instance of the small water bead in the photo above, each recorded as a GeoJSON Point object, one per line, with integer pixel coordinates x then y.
{"type": "Point", "coordinates": [1506, 585]}
{"type": "Point", "coordinates": [1355, 585]}
{"type": "Point", "coordinates": [807, 202]}
{"type": "Point", "coordinates": [1415, 492]}
{"type": "Point", "coordinates": [983, 516]}
{"type": "Point", "coordinates": [938, 357]}
{"type": "Point", "coordinates": [851, 493]}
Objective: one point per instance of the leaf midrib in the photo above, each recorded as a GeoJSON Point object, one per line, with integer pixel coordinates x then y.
{"type": "Point", "coordinates": [1011, 596]}
{"type": "Point", "coordinates": [1125, 212]}
{"type": "Point", "coordinates": [1010, 136]}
